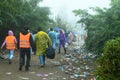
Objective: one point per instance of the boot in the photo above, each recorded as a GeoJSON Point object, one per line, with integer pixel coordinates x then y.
{"type": "Point", "coordinates": [10, 61]}
{"type": "Point", "coordinates": [20, 68]}
{"type": "Point", "coordinates": [59, 51]}
{"type": "Point", "coordinates": [65, 50]}
{"type": "Point", "coordinates": [26, 68]}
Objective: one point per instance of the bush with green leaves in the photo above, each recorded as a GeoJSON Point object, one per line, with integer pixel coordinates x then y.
{"type": "Point", "coordinates": [108, 64]}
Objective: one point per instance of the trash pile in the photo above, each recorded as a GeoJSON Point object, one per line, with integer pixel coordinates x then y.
{"type": "Point", "coordinates": [3, 55]}
{"type": "Point", "coordinates": [78, 66]}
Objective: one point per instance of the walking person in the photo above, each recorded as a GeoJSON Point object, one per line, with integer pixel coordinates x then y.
{"type": "Point", "coordinates": [10, 42]}
{"type": "Point", "coordinates": [70, 37]}
{"type": "Point", "coordinates": [53, 38]}
{"type": "Point", "coordinates": [25, 44]}
{"type": "Point", "coordinates": [62, 41]}
{"type": "Point", "coordinates": [41, 41]}
{"type": "Point", "coordinates": [31, 51]}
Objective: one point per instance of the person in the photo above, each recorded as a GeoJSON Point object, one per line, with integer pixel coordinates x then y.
{"type": "Point", "coordinates": [31, 51]}
{"type": "Point", "coordinates": [25, 44]}
{"type": "Point", "coordinates": [41, 41]}
{"type": "Point", "coordinates": [10, 42]}
{"type": "Point", "coordinates": [70, 37]}
{"type": "Point", "coordinates": [62, 41]}
{"type": "Point", "coordinates": [53, 38]}
{"type": "Point", "coordinates": [57, 40]}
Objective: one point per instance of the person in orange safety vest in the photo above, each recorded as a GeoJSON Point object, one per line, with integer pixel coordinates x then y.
{"type": "Point", "coordinates": [25, 44]}
{"type": "Point", "coordinates": [10, 42]}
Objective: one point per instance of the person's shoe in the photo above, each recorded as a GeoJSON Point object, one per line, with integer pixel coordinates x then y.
{"type": "Point", "coordinates": [42, 65]}
{"type": "Point", "coordinates": [10, 61]}
{"type": "Point", "coordinates": [20, 68]}
{"type": "Point", "coordinates": [26, 68]}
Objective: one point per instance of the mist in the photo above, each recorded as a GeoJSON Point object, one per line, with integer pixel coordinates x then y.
{"type": "Point", "coordinates": [64, 8]}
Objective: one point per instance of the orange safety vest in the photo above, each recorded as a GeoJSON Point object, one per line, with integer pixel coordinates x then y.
{"type": "Point", "coordinates": [10, 43]}
{"type": "Point", "coordinates": [24, 41]}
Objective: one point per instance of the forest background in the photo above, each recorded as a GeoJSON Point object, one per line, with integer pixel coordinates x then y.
{"type": "Point", "coordinates": [102, 26]}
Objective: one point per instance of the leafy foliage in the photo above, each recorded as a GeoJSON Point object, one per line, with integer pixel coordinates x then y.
{"type": "Point", "coordinates": [15, 14]}
{"type": "Point", "coordinates": [108, 65]}
{"type": "Point", "coordinates": [101, 26]}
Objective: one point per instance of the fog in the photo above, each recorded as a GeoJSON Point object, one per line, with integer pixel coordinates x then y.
{"type": "Point", "coordinates": [64, 8]}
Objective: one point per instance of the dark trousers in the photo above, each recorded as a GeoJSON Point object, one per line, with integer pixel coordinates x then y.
{"type": "Point", "coordinates": [62, 44]}
{"type": "Point", "coordinates": [25, 56]}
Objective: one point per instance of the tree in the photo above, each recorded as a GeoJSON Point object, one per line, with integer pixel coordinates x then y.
{"type": "Point", "coordinates": [101, 27]}
{"type": "Point", "coordinates": [17, 13]}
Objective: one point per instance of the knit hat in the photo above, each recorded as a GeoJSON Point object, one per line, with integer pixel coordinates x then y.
{"type": "Point", "coordinates": [10, 33]}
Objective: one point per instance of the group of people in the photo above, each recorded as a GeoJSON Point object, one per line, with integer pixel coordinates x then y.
{"type": "Point", "coordinates": [54, 36]}
{"type": "Point", "coordinates": [38, 43]}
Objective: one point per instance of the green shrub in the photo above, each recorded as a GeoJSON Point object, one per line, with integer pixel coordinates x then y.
{"type": "Point", "coordinates": [108, 64]}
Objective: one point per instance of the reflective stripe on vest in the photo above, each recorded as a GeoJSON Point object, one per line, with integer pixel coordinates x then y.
{"type": "Point", "coordinates": [10, 43]}
{"type": "Point", "coordinates": [24, 40]}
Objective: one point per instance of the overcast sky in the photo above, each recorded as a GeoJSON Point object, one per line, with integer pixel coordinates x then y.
{"type": "Point", "coordinates": [64, 7]}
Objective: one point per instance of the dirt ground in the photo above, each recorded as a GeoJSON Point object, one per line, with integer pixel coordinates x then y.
{"type": "Point", "coordinates": [49, 72]}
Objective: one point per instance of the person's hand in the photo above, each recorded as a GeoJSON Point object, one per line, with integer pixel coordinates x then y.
{"type": "Point", "coordinates": [15, 48]}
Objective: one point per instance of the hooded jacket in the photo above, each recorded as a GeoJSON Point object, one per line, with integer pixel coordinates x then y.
{"type": "Point", "coordinates": [62, 36]}
{"type": "Point", "coordinates": [10, 41]}
{"type": "Point", "coordinates": [25, 32]}
{"type": "Point", "coordinates": [41, 40]}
